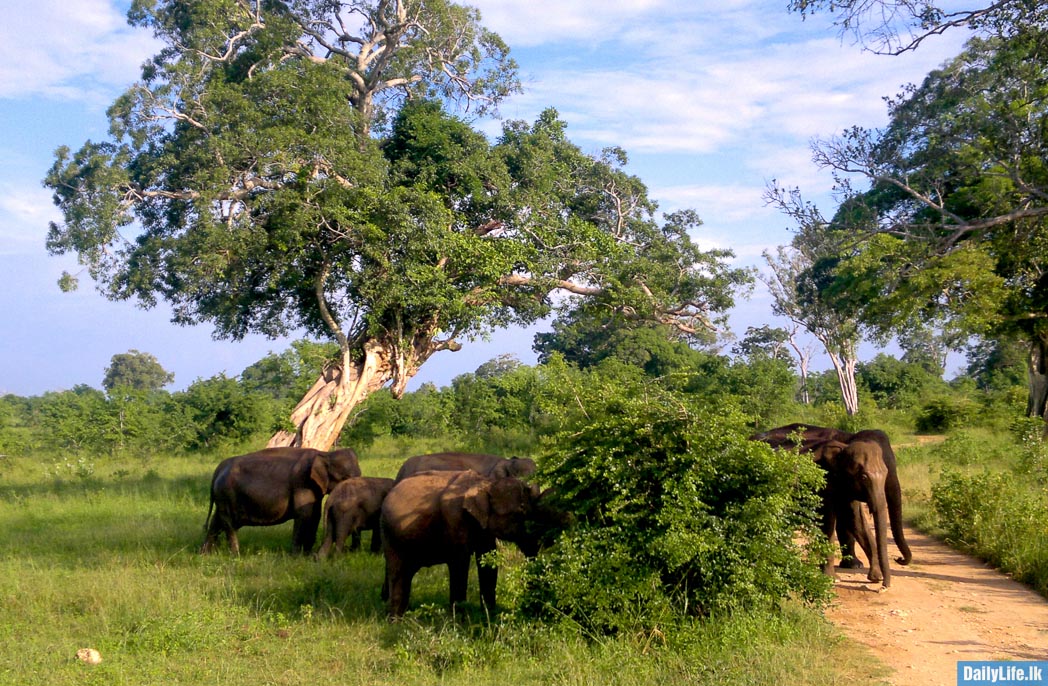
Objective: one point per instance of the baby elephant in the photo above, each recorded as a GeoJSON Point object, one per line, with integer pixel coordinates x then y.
{"type": "Point", "coordinates": [354, 505]}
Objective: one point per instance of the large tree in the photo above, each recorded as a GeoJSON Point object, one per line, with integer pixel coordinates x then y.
{"type": "Point", "coordinates": [952, 228]}
{"type": "Point", "coordinates": [290, 165]}
{"type": "Point", "coordinates": [797, 286]}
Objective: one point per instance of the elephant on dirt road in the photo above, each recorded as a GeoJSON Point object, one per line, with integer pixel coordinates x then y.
{"type": "Point", "coordinates": [446, 517]}
{"type": "Point", "coordinates": [272, 486]}
{"type": "Point", "coordinates": [489, 465]}
{"type": "Point", "coordinates": [860, 460]}
{"type": "Point", "coordinates": [352, 507]}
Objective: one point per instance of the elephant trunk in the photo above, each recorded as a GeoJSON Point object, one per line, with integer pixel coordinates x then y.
{"type": "Point", "coordinates": [879, 508]}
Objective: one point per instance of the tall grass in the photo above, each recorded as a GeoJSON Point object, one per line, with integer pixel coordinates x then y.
{"type": "Point", "coordinates": [986, 493]}
{"type": "Point", "coordinates": [105, 556]}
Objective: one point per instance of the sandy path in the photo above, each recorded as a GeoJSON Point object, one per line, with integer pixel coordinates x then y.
{"type": "Point", "coordinates": [943, 608]}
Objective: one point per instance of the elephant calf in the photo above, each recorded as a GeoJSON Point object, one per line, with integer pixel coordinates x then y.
{"type": "Point", "coordinates": [489, 465]}
{"type": "Point", "coordinates": [447, 518]}
{"type": "Point", "coordinates": [272, 486]}
{"type": "Point", "coordinates": [353, 506]}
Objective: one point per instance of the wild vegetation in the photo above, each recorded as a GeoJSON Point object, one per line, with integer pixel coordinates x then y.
{"type": "Point", "coordinates": [684, 568]}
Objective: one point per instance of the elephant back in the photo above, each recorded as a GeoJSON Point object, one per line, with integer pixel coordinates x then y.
{"type": "Point", "coordinates": [450, 462]}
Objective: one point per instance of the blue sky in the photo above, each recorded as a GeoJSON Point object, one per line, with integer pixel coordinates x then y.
{"type": "Point", "coordinates": [710, 99]}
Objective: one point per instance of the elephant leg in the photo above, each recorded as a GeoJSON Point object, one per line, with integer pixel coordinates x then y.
{"type": "Point", "coordinates": [397, 587]}
{"type": "Point", "coordinates": [852, 519]}
{"type": "Point", "coordinates": [376, 539]}
{"type": "Point", "coordinates": [210, 539]}
{"type": "Point", "coordinates": [304, 532]}
{"type": "Point", "coordinates": [829, 522]}
{"type": "Point", "coordinates": [867, 541]}
{"type": "Point", "coordinates": [488, 576]}
{"type": "Point", "coordinates": [846, 538]}
{"type": "Point", "coordinates": [355, 542]}
{"type": "Point", "coordinates": [234, 542]}
{"type": "Point", "coordinates": [342, 531]}
{"type": "Point", "coordinates": [458, 578]}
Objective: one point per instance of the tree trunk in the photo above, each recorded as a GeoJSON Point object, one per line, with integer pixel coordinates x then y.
{"type": "Point", "coordinates": [321, 414]}
{"type": "Point", "coordinates": [803, 361]}
{"type": "Point", "coordinates": [1037, 373]}
{"type": "Point", "coordinates": [844, 362]}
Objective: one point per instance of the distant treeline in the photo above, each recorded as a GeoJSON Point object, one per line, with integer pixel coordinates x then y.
{"type": "Point", "coordinates": [500, 406]}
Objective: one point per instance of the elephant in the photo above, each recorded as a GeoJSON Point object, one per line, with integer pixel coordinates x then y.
{"type": "Point", "coordinates": [851, 527]}
{"type": "Point", "coordinates": [446, 517]}
{"type": "Point", "coordinates": [856, 473]}
{"type": "Point", "coordinates": [488, 465]}
{"type": "Point", "coordinates": [353, 506]}
{"type": "Point", "coordinates": [271, 486]}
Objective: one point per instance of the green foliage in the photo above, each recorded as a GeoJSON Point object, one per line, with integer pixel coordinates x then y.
{"type": "Point", "coordinates": [945, 414]}
{"type": "Point", "coordinates": [677, 513]}
{"type": "Point", "coordinates": [894, 383]}
{"type": "Point", "coordinates": [281, 186]}
{"type": "Point", "coordinates": [761, 386]}
{"type": "Point", "coordinates": [996, 516]}
{"type": "Point", "coordinates": [221, 411]}
{"type": "Point", "coordinates": [137, 371]}
{"type": "Point", "coordinates": [286, 376]}
{"type": "Point", "coordinates": [109, 561]}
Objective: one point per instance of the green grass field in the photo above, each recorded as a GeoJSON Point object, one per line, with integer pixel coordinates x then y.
{"type": "Point", "coordinates": [104, 555]}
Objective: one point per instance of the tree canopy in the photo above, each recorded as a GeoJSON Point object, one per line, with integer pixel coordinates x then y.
{"type": "Point", "coordinates": [952, 228]}
{"type": "Point", "coordinates": [291, 165]}
{"type": "Point", "coordinates": [135, 370]}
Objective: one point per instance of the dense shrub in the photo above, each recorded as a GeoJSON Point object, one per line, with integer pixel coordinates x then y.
{"type": "Point", "coordinates": [946, 413]}
{"type": "Point", "coordinates": [999, 518]}
{"type": "Point", "coordinates": [677, 513]}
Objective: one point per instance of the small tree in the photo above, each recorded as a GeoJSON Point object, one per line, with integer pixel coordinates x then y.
{"type": "Point", "coordinates": [135, 370]}
{"type": "Point", "coordinates": [795, 286]}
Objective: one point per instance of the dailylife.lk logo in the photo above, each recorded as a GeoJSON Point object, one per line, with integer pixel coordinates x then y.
{"type": "Point", "coordinates": [1002, 673]}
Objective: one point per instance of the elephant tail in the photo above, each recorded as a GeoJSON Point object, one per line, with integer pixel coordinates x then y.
{"type": "Point", "coordinates": [210, 511]}
{"type": "Point", "coordinates": [895, 518]}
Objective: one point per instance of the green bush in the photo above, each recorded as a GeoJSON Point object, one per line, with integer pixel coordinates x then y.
{"type": "Point", "coordinates": [676, 514]}
{"type": "Point", "coordinates": [943, 414]}
{"type": "Point", "coordinates": [997, 517]}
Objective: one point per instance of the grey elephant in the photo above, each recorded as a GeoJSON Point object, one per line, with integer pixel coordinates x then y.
{"type": "Point", "coordinates": [437, 518]}
{"type": "Point", "coordinates": [272, 486]}
{"type": "Point", "coordinates": [353, 506]}
{"type": "Point", "coordinates": [813, 435]}
{"type": "Point", "coordinates": [856, 473]}
{"type": "Point", "coordinates": [494, 466]}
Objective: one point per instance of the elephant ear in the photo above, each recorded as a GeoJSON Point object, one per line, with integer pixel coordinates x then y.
{"type": "Point", "coordinates": [318, 473]}
{"type": "Point", "coordinates": [826, 452]}
{"type": "Point", "coordinates": [477, 502]}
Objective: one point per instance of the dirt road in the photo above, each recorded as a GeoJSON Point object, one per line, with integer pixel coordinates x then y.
{"type": "Point", "coordinates": [943, 608]}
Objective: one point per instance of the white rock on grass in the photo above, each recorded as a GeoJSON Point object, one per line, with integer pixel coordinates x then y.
{"type": "Point", "coordinates": [89, 656]}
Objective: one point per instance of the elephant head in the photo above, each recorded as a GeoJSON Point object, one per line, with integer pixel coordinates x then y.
{"type": "Point", "coordinates": [328, 469]}
{"type": "Point", "coordinates": [503, 507]}
{"type": "Point", "coordinates": [518, 467]}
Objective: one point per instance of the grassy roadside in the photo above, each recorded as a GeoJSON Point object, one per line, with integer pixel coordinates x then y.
{"type": "Point", "coordinates": [984, 493]}
{"type": "Point", "coordinates": [104, 555]}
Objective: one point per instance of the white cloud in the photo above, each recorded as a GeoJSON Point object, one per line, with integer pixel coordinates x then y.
{"type": "Point", "coordinates": [24, 215]}
{"type": "Point", "coordinates": [69, 50]}
{"type": "Point", "coordinates": [523, 24]}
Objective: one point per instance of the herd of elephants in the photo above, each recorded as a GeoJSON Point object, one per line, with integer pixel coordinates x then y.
{"type": "Point", "coordinates": [448, 508]}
